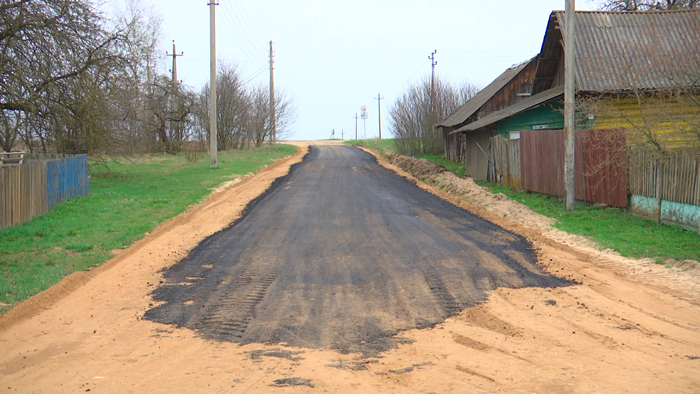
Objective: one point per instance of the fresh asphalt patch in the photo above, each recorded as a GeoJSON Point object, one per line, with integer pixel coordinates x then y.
{"type": "Point", "coordinates": [343, 254]}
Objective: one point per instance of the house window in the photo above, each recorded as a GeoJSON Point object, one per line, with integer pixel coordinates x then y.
{"type": "Point", "coordinates": [524, 90]}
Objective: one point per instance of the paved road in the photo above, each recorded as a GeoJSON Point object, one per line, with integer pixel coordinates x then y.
{"type": "Point", "coordinates": [342, 253]}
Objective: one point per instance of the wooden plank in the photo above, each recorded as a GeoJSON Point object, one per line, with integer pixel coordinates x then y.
{"type": "Point", "coordinates": [2, 198]}
{"type": "Point", "coordinates": [516, 171]}
{"type": "Point", "coordinates": [696, 181]}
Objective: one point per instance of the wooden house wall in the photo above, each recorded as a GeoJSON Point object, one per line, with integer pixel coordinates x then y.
{"type": "Point", "coordinates": [673, 123]}
{"type": "Point", "coordinates": [512, 93]}
{"type": "Point", "coordinates": [453, 144]}
{"type": "Point", "coordinates": [547, 116]}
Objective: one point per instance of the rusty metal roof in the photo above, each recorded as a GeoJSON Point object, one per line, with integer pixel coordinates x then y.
{"type": "Point", "coordinates": [514, 109]}
{"type": "Point", "coordinates": [469, 108]}
{"type": "Point", "coordinates": [623, 51]}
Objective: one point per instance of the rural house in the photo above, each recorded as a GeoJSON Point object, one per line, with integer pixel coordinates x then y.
{"type": "Point", "coordinates": [511, 87]}
{"type": "Point", "coordinates": [638, 115]}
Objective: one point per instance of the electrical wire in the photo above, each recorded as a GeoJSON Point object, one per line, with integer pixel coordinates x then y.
{"type": "Point", "coordinates": [255, 74]}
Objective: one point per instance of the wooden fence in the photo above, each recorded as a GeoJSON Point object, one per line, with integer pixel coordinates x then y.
{"type": "Point", "coordinates": [504, 160]}
{"type": "Point", "coordinates": [35, 187]}
{"type": "Point", "coordinates": [535, 162]}
{"type": "Point", "coordinates": [672, 177]}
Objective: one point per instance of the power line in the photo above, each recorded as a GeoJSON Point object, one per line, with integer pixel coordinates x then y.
{"type": "Point", "coordinates": [232, 26]}
{"type": "Point", "coordinates": [251, 28]}
{"type": "Point", "coordinates": [256, 74]}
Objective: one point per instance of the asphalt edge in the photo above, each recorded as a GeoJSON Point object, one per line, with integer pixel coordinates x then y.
{"type": "Point", "coordinates": [44, 300]}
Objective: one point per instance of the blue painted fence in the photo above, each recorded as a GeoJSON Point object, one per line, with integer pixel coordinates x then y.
{"type": "Point", "coordinates": [66, 178]}
{"type": "Point", "coordinates": [36, 187]}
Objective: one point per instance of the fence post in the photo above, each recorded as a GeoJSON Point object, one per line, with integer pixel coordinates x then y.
{"type": "Point", "coordinates": [659, 188]}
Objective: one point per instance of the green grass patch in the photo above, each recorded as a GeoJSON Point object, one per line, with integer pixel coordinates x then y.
{"type": "Point", "coordinates": [612, 228]}
{"type": "Point", "coordinates": [616, 229]}
{"type": "Point", "coordinates": [377, 145]}
{"type": "Point", "coordinates": [127, 199]}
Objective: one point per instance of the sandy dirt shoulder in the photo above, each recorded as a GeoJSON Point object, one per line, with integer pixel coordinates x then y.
{"type": "Point", "coordinates": [619, 330]}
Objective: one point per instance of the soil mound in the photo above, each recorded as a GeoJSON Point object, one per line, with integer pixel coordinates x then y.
{"type": "Point", "coordinates": [416, 167]}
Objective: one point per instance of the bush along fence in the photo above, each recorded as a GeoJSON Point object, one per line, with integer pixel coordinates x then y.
{"type": "Point", "coordinates": [34, 187]}
{"type": "Point", "coordinates": [665, 188]}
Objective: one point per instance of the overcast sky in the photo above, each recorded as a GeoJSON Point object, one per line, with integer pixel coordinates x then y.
{"type": "Point", "coordinates": [334, 56]}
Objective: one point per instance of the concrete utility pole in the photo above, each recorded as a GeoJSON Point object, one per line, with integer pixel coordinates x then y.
{"type": "Point", "coordinates": [176, 129]}
{"type": "Point", "coordinates": [433, 63]}
{"type": "Point", "coordinates": [273, 121]}
{"type": "Point", "coordinates": [569, 103]}
{"type": "Point", "coordinates": [174, 70]}
{"type": "Point", "coordinates": [355, 125]}
{"type": "Point", "coordinates": [379, 103]}
{"type": "Point", "coordinates": [213, 134]}
{"type": "Point", "coordinates": [364, 123]}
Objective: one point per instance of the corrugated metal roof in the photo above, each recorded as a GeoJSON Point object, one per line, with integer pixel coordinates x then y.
{"type": "Point", "coordinates": [618, 51]}
{"type": "Point", "coordinates": [513, 109]}
{"type": "Point", "coordinates": [470, 107]}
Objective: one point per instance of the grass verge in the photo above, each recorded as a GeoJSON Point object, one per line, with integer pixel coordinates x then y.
{"type": "Point", "coordinates": [615, 229]}
{"type": "Point", "coordinates": [388, 145]}
{"type": "Point", "coordinates": [377, 145]}
{"type": "Point", "coordinates": [612, 228]}
{"type": "Point", "coordinates": [127, 199]}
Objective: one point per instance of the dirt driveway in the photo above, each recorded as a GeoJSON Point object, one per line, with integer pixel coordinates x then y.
{"type": "Point", "coordinates": [612, 331]}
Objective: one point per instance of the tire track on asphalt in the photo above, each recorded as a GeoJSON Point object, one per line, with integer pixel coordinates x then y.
{"type": "Point", "coordinates": [345, 254]}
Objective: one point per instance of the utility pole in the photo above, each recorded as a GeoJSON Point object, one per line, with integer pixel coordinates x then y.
{"type": "Point", "coordinates": [355, 125]}
{"type": "Point", "coordinates": [213, 134]}
{"type": "Point", "coordinates": [379, 103]}
{"type": "Point", "coordinates": [433, 63]}
{"type": "Point", "coordinates": [273, 121]}
{"type": "Point", "coordinates": [174, 70]}
{"type": "Point", "coordinates": [364, 123]}
{"type": "Point", "coordinates": [569, 103]}
{"type": "Point", "coordinates": [176, 129]}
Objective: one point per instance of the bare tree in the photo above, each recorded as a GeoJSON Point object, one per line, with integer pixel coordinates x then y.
{"type": "Point", "coordinates": [12, 122]}
{"type": "Point", "coordinates": [648, 5]}
{"type": "Point", "coordinates": [171, 106]}
{"type": "Point", "coordinates": [232, 105]}
{"type": "Point", "coordinates": [654, 91]}
{"type": "Point", "coordinates": [258, 127]}
{"type": "Point", "coordinates": [141, 27]}
{"type": "Point", "coordinates": [46, 46]}
{"type": "Point", "coordinates": [414, 115]}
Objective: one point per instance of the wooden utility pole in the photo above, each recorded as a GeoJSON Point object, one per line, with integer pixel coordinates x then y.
{"type": "Point", "coordinates": [379, 103]}
{"type": "Point", "coordinates": [273, 121]}
{"type": "Point", "coordinates": [569, 103]}
{"type": "Point", "coordinates": [213, 134]}
{"type": "Point", "coordinates": [433, 63]}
